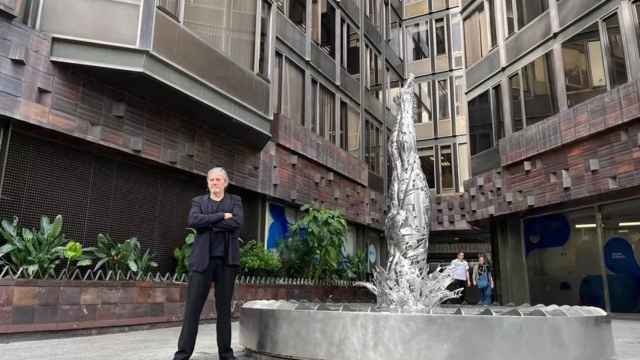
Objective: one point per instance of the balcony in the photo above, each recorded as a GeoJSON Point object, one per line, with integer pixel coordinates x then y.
{"type": "Point", "coordinates": [138, 37]}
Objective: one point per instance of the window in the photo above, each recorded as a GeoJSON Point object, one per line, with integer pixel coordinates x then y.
{"type": "Point", "coordinates": [395, 33]}
{"type": "Point", "coordinates": [265, 24]}
{"type": "Point", "coordinates": [323, 117]}
{"type": "Point", "coordinates": [443, 99]}
{"type": "Point", "coordinates": [446, 169]}
{"type": "Point", "coordinates": [584, 61]}
{"type": "Point", "coordinates": [428, 165]}
{"type": "Point", "coordinates": [323, 26]}
{"type": "Point", "coordinates": [458, 95]}
{"type": "Point", "coordinates": [520, 12]}
{"type": "Point", "coordinates": [393, 91]}
{"type": "Point", "coordinates": [463, 165]}
{"type": "Point", "coordinates": [517, 123]}
{"type": "Point", "coordinates": [456, 42]}
{"type": "Point", "coordinates": [418, 42]}
{"type": "Point", "coordinates": [423, 93]}
{"type": "Point", "coordinates": [276, 87]}
{"type": "Point", "coordinates": [350, 48]}
{"type": "Point", "coordinates": [171, 7]}
{"type": "Point", "coordinates": [538, 90]}
{"type": "Point", "coordinates": [298, 12]}
{"type": "Point", "coordinates": [497, 111]}
{"type": "Point", "coordinates": [372, 10]}
{"type": "Point", "coordinates": [373, 146]}
{"type": "Point", "coordinates": [480, 124]}
{"type": "Point", "coordinates": [374, 80]}
{"type": "Point", "coordinates": [441, 37]}
{"type": "Point", "coordinates": [292, 92]}
{"type": "Point", "coordinates": [353, 131]}
{"type": "Point", "coordinates": [477, 35]}
{"type": "Point", "coordinates": [344, 126]}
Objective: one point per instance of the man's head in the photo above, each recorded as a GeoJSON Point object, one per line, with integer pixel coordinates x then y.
{"type": "Point", "coordinates": [217, 180]}
{"type": "Point", "coordinates": [482, 258]}
{"type": "Point", "coordinates": [461, 255]}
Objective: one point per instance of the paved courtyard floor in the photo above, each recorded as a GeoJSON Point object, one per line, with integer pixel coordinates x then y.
{"type": "Point", "coordinates": [159, 344]}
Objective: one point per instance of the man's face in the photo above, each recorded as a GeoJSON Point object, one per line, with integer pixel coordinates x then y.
{"type": "Point", "coordinates": [216, 182]}
{"type": "Point", "coordinates": [460, 256]}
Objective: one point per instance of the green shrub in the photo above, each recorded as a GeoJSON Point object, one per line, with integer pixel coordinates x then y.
{"type": "Point", "coordinates": [314, 246]}
{"type": "Point", "coordinates": [255, 260]}
{"type": "Point", "coordinates": [77, 256]}
{"type": "Point", "coordinates": [126, 256]}
{"type": "Point", "coordinates": [182, 253]}
{"type": "Point", "coordinates": [356, 268]}
{"type": "Point", "coordinates": [38, 251]}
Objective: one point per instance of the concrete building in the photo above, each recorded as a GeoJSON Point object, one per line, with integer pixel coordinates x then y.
{"type": "Point", "coordinates": [554, 126]}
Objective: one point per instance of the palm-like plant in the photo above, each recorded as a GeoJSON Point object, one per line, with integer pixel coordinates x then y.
{"type": "Point", "coordinates": [182, 253]}
{"type": "Point", "coordinates": [37, 251]}
{"type": "Point", "coordinates": [124, 257]}
{"type": "Point", "coordinates": [77, 255]}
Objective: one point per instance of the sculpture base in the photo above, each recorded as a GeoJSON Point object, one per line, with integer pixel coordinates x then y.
{"type": "Point", "coordinates": [288, 330]}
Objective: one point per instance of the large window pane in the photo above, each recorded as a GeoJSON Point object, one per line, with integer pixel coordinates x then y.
{"type": "Point", "coordinates": [456, 42]}
{"type": "Point", "coordinates": [293, 93]}
{"type": "Point", "coordinates": [393, 91]}
{"type": "Point", "coordinates": [276, 84]}
{"type": "Point", "coordinates": [428, 164]}
{"type": "Point", "coordinates": [298, 12]}
{"type": "Point", "coordinates": [323, 17]}
{"type": "Point", "coordinates": [374, 78]}
{"type": "Point", "coordinates": [423, 99]}
{"type": "Point", "coordinates": [562, 256]}
{"type": "Point", "coordinates": [621, 241]}
{"type": "Point", "coordinates": [539, 94]}
{"type": "Point", "coordinates": [446, 168]}
{"type": "Point", "coordinates": [617, 62]}
{"type": "Point", "coordinates": [418, 41]}
{"type": "Point", "coordinates": [265, 24]}
{"type": "Point", "coordinates": [516, 103]}
{"type": "Point", "coordinates": [443, 99]}
{"type": "Point", "coordinates": [480, 124]}
{"type": "Point", "coordinates": [353, 130]}
{"type": "Point", "coordinates": [396, 33]}
{"type": "Point", "coordinates": [350, 48]}
{"type": "Point", "coordinates": [477, 35]}
{"type": "Point", "coordinates": [372, 138]}
{"type": "Point", "coordinates": [497, 111]}
{"type": "Point", "coordinates": [583, 66]}
{"type": "Point", "coordinates": [529, 10]}
{"type": "Point", "coordinates": [441, 37]}
{"type": "Point", "coordinates": [463, 164]}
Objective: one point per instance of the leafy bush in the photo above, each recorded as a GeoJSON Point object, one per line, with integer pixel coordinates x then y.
{"type": "Point", "coordinates": [77, 256]}
{"type": "Point", "coordinates": [182, 253]}
{"type": "Point", "coordinates": [124, 257]}
{"type": "Point", "coordinates": [38, 251]}
{"type": "Point", "coordinates": [314, 246]}
{"type": "Point", "coordinates": [255, 260]}
{"type": "Point", "coordinates": [356, 266]}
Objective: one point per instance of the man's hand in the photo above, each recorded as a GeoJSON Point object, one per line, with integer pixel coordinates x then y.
{"type": "Point", "coordinates": [228, 216]}
{"type": "Point", "coordinates": [468, 283]}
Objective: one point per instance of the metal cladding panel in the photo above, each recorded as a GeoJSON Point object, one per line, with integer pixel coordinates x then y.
{"type": "Point", "coordinates": [97, 194]}
{"type": "Point", "coordinates": [351, 8]}
{"type": "Point", "coordinates": [534, 33]}
{"type": "Point", "coordinates": [393, 58]}
{"type": "Point", "coordinates": [372, 32]}
{"type": "Point", "coordinates": [323, 61]}
{"type": "Point", "coordinates": [290, 34]}
{"type": "Point", "coordinates": [376, 183]}
{"type": "Point", "coordinates": [485, 161]}
{"type": "Point", "coordinates": [176, 44]}
{"type": "Point", "coordinates": [569, 11]}
{"type": "Point", "coordinates": [87, 19]}
{"type": "Point", "coordinates": [350, 85]}
{"type": "Point", "coordinates": [373, 105]}
{"type": "Point", "coordinates": [483, 69]}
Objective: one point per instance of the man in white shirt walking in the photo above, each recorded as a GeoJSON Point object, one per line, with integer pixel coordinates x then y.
{"type": "Point", "coordinates": [460, 276]}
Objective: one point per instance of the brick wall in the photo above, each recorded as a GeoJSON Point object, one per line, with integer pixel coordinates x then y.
{"type": "Point", "coordinates": [36, 305]}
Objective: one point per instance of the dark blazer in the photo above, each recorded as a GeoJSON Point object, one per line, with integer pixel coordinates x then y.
{"type": "Point", "coordinates": [204, 223]}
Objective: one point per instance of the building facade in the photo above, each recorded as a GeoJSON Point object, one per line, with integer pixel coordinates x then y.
{"type": "Point", "coordinates": [554, 127]}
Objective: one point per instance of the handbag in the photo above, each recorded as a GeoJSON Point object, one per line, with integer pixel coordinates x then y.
{"type": "Point", "coordinates": [483, 280]}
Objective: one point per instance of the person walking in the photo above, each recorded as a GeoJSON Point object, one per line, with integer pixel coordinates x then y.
{"type": "Point", "coordinates": [483, 279]}
{"type": "Point", "coordinates": [217, 218]}
{"type": "Point", "coordinates": [460, 276]}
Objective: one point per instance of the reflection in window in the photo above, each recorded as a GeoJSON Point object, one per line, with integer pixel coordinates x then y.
{"type": "Point", "coordinates": [456, 42]}
{"type": "Point", "coordinates": [517, 123]}
{"type": "Point", "coordinates": [458, 95]}
{"type": "Point", "coordinates": [423, 100]}
{"type": "Point", "coordinates": [443, 99]}
{"type": "Point", "coordinates": [463, 165]}
{"type": "Point", "coordinates": [525, 11]}
{"type": "Point", "coordinates": [441, 37]}
{"type": "Point", "coordinates": [446, 168]}
{"type": "Point", "coordinates": [395, 33]}
{"type": "Point", "coordinates": [350, 48]}
{"type": "Point", "coordinates": [497, 111]}
{"type": "Point", "coordinates": [428, 165]}
{"type": "Point", "coordinates": [584, 66]}
{"type": "Point", "coordinates": [476, 35]}
{"type": "Point", "coordinates": [265, 24]}
{"type": "Point", "coordinates": [539, 95]}
{"type": "Point", "coordinates": [323, 25]}
{"type": "Point", "coordinates": [292, 92]}
{"type": "Point", "coordinates": [617, 62]}
{"type": "Point", "coordinates": [480, 123]}
{"type": "Point", "coordinates": [298, 12]}
{"type": "Point", "coordinates": [418, 42]}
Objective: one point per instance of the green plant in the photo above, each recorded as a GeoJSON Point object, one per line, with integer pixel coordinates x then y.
{"type": "Point", "coordinates": [255, 260]}
{"type": "Point", "coordinates": [314, 246]}
{"type": "Point", "coordinates": [37, 251]}
{"type": "Point", "coordinates": [77, 255]}
{"type": "Point", "coordinates": [126, 256]}
{"type": "Point", "coordinates": [356, 268]}
{"type": "Point", "coordinates": [182, 253]}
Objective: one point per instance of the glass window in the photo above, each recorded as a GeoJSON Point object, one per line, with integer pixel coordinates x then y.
{"type": "Point", "coordinates": [396, 33]}
{"type": "Point", "coordinates": [477, 35]}
{"type": "Point", "coordinates": [372, 138]}
{"type": "Point", "coordinates": [327, 114]}
{"type": "Point", "coordinates": [314, 106]}
{"type": "Point", "coordinates": [418, 42]}
{"type": "Point", "coordinates": [265, 24]}
{"type": "Point", "coordinates": [394, 84]}
{"type": "Point", "coordinates": [497, 111]}
{"type": "Point", "coordinates": [298, 12]}
{"type": "Point", "coordinates": [344, 125]}
{"type": "Point", "coordinates": [510, 17]}
{"type": "Point", "coordinates": [350, 48]}
{"type": "Point", "coordinates": [517, 123]}
{"type": "Point", "coordinates": [562, 257]}
{"type": "Point", "coordinates": [353, 131]}
{"type": "Point", "coordinates": [463, 164]}
{"type": "Point", "coordinates": [293, 93]}
{"type": "Point", "coordinates": [446, 168]}
{"type": "Point", "coordinates": [456, 42]}
{"type": "Point", "coordinates": [323, 26]}
{"type": "Point", "coordinates": [458, 95]}
{"type": "Point", "coordinates": [525, 11]}
{"type": "Point", "coordinates": [441, 37]}
{"type": "Point", "coordinates": [538, 89]}
{"type": "Point", "coordinates": [423, 99]}
{"type": "Point", "coordinates": [621, 240]}
{"type": "Point", "coordinates": [480, 124]}
{"type": "Point", "coordinates": [584, 66]}
{"type": "Point", "coordinates": [276, 87]}
{"type": "Point", "coordinates": [617, 62]}
{"type": "Point", "coordinates": [428, 165]}
{"type": "Point", "coordinates": [374, 81]}
{"type": "Point", "coordinates": [443, 99]}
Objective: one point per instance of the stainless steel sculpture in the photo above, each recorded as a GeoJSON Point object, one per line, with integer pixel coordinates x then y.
{"type": "Point", "coordinates": [405, 285]}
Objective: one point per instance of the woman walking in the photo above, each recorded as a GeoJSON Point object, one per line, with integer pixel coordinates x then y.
{"type": "Point", "coordinates": [483, 279]}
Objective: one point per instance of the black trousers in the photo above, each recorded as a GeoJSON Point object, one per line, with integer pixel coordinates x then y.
{"type": "Point", "coordinates": [223, 278]}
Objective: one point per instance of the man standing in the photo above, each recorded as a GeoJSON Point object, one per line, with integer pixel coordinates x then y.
{"type": "Point", "coordinates": [460, 275]}
{"type": "Point", "coordinates": [215, 257]}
